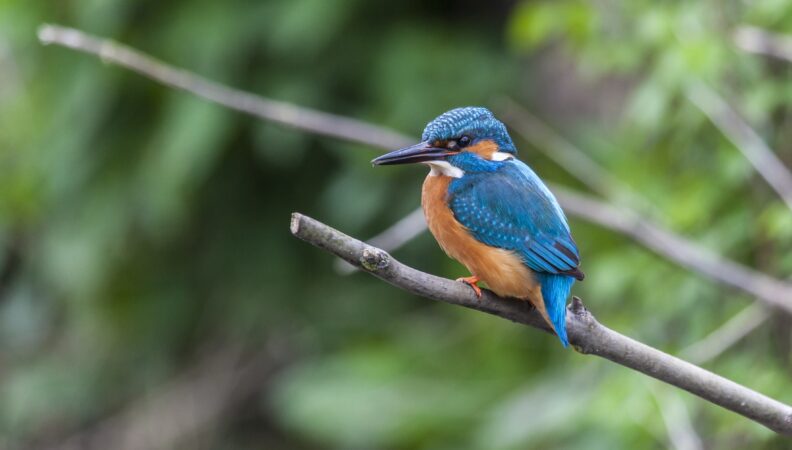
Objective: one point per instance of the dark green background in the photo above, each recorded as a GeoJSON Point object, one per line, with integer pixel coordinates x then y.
{"type": "Point", "coordinates": [146, 249]}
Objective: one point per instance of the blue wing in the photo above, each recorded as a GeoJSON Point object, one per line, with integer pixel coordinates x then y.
{"type": "Point", "coordinates": [511, 208]}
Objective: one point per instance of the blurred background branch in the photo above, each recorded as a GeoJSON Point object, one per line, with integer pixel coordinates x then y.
{"type": "Point", "coordinates": [569, 157]}
{"type": "Point", "coordinates": [279, 112]}
{"type": "Point", "coordinates": [403, 231]}
{"type": "Point", "coordinates": [679, 426]}
{"type": "Point", "coordinates": [748, 141]}
{"type": "Point", "coordinates": [773, 292]}
{"type": "Point", "coordinates": [727, 334]}
{"type": "Point", "coordinates": [763, 42]}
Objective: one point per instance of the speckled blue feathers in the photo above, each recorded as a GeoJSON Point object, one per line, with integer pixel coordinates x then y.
{"type": "Point", "coordinates": [509, 207]}
{"type": "Point", "coordinates": [477, 121]}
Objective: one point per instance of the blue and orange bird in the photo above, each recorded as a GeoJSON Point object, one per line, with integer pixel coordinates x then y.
{"type": "Point", "coordinates": [491, 212]}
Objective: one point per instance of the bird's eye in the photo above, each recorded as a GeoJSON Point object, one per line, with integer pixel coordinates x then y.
{"type": "Point", "coordinates": [464, 141]}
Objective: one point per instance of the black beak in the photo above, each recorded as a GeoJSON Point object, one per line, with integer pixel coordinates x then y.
{"type": "Point", "coordinates": [421, 152]}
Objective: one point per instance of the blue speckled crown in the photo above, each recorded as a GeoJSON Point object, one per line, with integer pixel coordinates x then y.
{"type": "Point", "coordinates": [477, 122]}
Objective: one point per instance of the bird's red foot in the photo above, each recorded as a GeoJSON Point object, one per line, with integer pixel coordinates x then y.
{"type": "Point", "coordinates": [471, 281]}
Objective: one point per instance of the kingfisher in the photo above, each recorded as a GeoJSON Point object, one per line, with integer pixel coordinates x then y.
{"type": "Point", "coordinates": [492, 213]}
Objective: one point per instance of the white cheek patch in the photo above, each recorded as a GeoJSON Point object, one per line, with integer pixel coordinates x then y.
{"type": "Point", "coordinates": [501, 156]}
{"type": "Point", "coordinates": [444, 168]}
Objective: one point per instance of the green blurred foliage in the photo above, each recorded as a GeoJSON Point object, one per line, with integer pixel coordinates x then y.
{"type": "Point", "coordinates": [140, 224]}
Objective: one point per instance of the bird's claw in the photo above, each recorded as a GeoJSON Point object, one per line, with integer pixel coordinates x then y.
{"type": "Point", "coordinates": [471, 281]}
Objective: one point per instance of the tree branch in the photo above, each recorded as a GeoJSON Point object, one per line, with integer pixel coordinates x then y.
{"type": "Point", "coordinates": [271, 110]}
{"type": "Point", "coordinates": [586, 334]}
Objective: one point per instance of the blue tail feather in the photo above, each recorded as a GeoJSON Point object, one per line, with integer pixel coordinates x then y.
{"type": "Point", "coordinates": [555, 290]}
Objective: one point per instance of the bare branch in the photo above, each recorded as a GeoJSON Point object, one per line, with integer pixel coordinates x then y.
{"type": "Point", "coordinates": [586, 334]}
{"type": "Point", "coordinates": [763, 42]}
{"type": "Point", "coordinates": [747, 141]}
{"type": "Point", "coordinates": [272, 110]}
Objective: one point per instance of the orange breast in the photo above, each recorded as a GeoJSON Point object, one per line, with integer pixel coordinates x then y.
{"type": "Point", "coordinates": [502, 270]}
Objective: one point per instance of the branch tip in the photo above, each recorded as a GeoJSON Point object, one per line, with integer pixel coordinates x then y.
{"type": "Point", "coordinates": [294, 225]}
{"type": "Point", "coordinates": [576, 307]}
{"type": "Point", "coordinates": [45, 34]}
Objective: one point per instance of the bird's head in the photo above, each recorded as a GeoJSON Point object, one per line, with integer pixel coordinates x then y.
{"type": "Point", "coordinates": [462, 140]}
